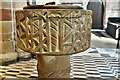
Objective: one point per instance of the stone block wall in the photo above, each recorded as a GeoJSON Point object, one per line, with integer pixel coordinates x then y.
{"type": "Point", "coordinates": [7, 49]}
{"type": "Point", "coordinates": [8, 52]}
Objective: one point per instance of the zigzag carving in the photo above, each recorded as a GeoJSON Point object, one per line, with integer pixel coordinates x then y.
{"type": "Point", "coordinates": [56, 32]}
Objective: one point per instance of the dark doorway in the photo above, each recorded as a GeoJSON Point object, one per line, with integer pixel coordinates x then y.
{"type": "Point", "coordinates": [97, 8]}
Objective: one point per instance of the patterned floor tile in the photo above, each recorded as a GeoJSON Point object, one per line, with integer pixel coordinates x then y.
{"type": "Point", "coordinates": [105, 55]}
{"type": "Point", "coordinates": [104, 64]}
{"type": "Point", "coordinates": [101, 50]}
{"type": "Point", "coordinates": [97, 63]}
{"type": "Point", "coordinates": [34, 75]}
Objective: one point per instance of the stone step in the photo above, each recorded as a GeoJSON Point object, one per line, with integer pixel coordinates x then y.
{"type": "Point", "coordinates": [7, 58]}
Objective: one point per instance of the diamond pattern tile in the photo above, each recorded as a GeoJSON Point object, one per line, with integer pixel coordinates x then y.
{"type": "Point", "coordinates": [88, 66]}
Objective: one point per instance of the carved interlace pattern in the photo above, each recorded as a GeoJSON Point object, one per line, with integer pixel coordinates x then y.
{"type": "Point", "coordinates": [53, 32]}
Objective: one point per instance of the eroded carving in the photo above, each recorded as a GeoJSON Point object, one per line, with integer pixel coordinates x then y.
{"type": "Point", "coordinates": [53, 32]}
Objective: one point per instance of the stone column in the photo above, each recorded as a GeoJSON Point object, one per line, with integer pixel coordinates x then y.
{"type": "Point", "coordinates": [6, 34]}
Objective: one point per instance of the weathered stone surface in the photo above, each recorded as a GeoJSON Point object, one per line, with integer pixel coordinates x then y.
{"type": "Point", "coordinates": [0, 27]}
{"type": "Point", "coordinates": [6, 15]}
{"type": "Point", "coordinates": [0, 5]}
{"type": "Point", "coordinates": [5, 5]}
{"type": "Point", "coordinates": [5, 30]}
{"type": "Point", "coordinates": [22, 55]}
{"type": "Point", "coordinates": [6, 36]}
{"type": "Point", "coordinates": [59, 66]}
{"type": "Point", "coordinates": [5, 26]}
{"type": "Point", "coordinates": [56, 32]}
{"type": "Point", "coordinates": [6, 46]}
{"type": "Point", "coordinates": [8, 57]}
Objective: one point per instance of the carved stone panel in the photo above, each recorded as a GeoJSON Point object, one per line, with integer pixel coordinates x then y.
{"type": "Point", "coordinates": [53, 32]}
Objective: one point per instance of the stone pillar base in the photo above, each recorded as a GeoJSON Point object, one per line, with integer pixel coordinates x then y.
{"type": "Point", "coordinates": [53, 66]}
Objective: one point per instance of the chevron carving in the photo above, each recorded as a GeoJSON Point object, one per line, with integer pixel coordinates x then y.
{"type": "Point", "coordinates": [53, 32]}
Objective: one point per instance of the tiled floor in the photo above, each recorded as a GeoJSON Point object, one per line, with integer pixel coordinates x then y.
{"type": "Point", "coordinates": [99, 63]}
{"type": "Point", "coordinates": [95, 63]}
